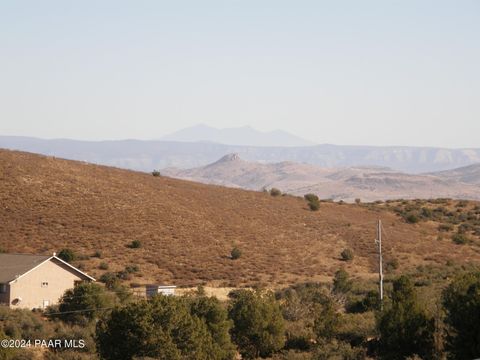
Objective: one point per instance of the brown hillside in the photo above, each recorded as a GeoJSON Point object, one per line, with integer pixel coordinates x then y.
{"type": "Point", "coordinates": [188, 229]}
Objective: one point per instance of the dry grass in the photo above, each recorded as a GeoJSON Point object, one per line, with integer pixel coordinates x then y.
{"type": "Point", "coordinates": [187, 230]}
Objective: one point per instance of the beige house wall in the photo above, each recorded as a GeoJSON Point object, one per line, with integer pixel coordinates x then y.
{"type": "Point", "coordinates": [29, 287]}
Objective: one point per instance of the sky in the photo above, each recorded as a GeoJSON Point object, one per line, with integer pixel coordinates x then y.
{"type": "Point", "coordinates": [352, 72]}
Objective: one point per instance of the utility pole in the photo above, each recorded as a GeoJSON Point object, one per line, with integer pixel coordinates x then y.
{"type": "Point", "coordinates": [378, 241]}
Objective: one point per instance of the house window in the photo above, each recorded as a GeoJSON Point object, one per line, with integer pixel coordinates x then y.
{"type": "Point", "coordinates": [3, 288]}
{"type": "Point", "coordinates": [46, 303]}
{"type": "Point", "coordinates": [45, 284]}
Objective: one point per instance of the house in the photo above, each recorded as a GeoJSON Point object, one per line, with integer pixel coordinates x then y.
{"type": "Point", "coordinates": [168, 290]}
{"type": "Point", "coordinates": [36, 281]}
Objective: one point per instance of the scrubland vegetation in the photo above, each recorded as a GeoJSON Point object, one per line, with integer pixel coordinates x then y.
{"type": "Point", "coordinates": [430, 313]}
{"type": "Point", "coordinates": [182, 233]}
{"type": "Point", "coordinates": [311, 264]}
{"type": "Point", "coordinates": [313, 201]}
{"type": "Point", "coordinates": [458, 218]}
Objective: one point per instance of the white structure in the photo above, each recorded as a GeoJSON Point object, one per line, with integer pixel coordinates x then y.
{"type": "Point", "coordinates": [153, 290]}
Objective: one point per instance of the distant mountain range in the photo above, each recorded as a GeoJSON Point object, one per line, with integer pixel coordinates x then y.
{"type": "Point", "coordinates": [245, 135]}
{"type": "Point", "coordinates": [368, 184]}
{"type": "Point", "coordinates": [158, 154]}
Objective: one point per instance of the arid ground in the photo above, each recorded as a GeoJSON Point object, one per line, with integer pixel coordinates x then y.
{"type": "Point", "coordinates": [187, 230]}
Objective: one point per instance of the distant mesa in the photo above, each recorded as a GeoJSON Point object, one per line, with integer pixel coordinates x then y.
{"type": "Point", "coordinates": [180, 152]}
{"type": "Point", "coordinates": [229, 158]}
{"type": "Point", "coordinates": [341, 183]}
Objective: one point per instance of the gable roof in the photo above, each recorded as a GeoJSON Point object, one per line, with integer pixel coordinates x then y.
{"type": "Point", "coordinates": [14, 266]}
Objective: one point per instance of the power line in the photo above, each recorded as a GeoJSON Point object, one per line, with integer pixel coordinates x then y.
{"type": "Point", "coordinates": [110, 292]}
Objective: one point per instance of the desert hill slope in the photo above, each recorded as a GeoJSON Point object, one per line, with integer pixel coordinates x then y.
{"type": "Point", "coordinates": [188, 229]}
{"type": "Point", "coordinates": [367, 183]}
{"type": "Point", "coordinates": [466, 174]}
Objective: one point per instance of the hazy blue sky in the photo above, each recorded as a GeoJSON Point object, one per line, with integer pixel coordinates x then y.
{"type": "Point", "coordinates": [379, 72]}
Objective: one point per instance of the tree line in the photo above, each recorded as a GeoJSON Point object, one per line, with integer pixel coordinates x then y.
{"type": "Point", "coordinates": [305, 321]}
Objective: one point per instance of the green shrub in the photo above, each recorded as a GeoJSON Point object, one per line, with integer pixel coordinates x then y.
{"type": "Point", "coordinates": [103, 266]}
{"type": "Point", "coordinates": [411, 218]}
{"type": "Point", "coordinates": [23, 324]}
{"type": "Point", "coordinates": [461, 301]}
{"type": "Point", "coordinates": [311, 197]}
{"type": "Point", "coordinates": [132, 269]}
{"type": "Point", "coordinates": [298, 334]}
{"type": "Point", "coordinates": [445, 227]}
{"type": "Point", "coordinates": [156, 173]}
{"type": "Point", "coordinates": [162, 328]}
{"type": "Point", "coordinates": [275, 192]}
{"type": "Point", "coordinates": [110, 280]}
{"type": "Point", "coordinates": [84, 303]}
{"type": "Point", "coordinates": [68, 332]}
{"type": "Point", "coordinates": [338, 350]}
{"type": "Point", "coordinates": [460, 239]}
{"type": "Point", "coordinates": [124, 275]}
{"type": "Point", "coordinates": [313, 201]}
{"type": "Point", "coordinates": [371, 301]}
{"type": "Point", "coordinates": [299, 301]}
{"type": "Point", "coordinates": [426, 213]}
{"type": "Point", "coordinates": [314, 205]}
{"type": "Point", "coordinates": [326, 321]}
{"type": "Point", "coordinates": [465, 227]}
{"type": "Point", "coordinates": [200, 292]}
{"type": "Point", "coordinates": [347, 255]}
{"type": "Point", "coordinates": [135, 244]}
{"type": "Point", "coordinates": [342, 282]}
{"type": "Point", "coordinates": [302, 342]}
{"type": "Point", "coordinates": [404, 327]}
{"type": "Point", "coordinates": [67, 255]}
{"type": "Point", "coordinates": [258, 324]}
{"type": "Point", "coordinates": [356, 328]}
{"type": "Point", "coordinates": [391, 265]}
{"type": "Point", "coordinates": [236, 253]}
{"type": "Point", "coordinates": [214, 314]}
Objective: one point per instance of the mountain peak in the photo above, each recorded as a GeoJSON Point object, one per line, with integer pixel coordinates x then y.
{"type": "Point", "coordinates": [245, 135]}
{"type": "Point", "coordinates": [229, 158]}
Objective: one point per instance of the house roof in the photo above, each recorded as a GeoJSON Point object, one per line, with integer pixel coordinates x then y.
{"type": "Point", "coordinates": [13, 266]}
